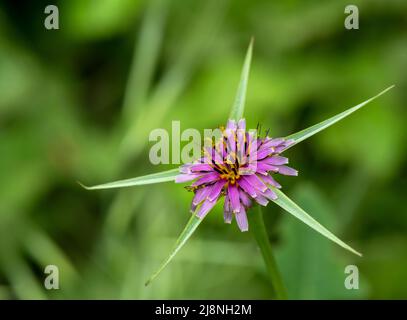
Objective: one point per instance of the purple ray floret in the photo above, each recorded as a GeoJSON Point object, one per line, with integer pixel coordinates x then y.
{"type": "Point", "coordinates": [239, 167]}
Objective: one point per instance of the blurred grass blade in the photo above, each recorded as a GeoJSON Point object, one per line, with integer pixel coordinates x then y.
{"type": "Point", "coordinates": [189, 229]}
{"type": "Point", "coordinates": [43, 250]}
{"type": "Point", "coordinates": [308, 132]}
{"type": "Point", "coordinates": [238, 106]}
{"type": "Point", "coordinates": [20, 276]}
{"type": "Point", "coordinates": [287, 204]}
{"type": "Point", "coordinates": [138, 181]}
{"type": "Point", "coordinates": [192, 50]}
{"type": "Point", "coordinates": [144, 61]}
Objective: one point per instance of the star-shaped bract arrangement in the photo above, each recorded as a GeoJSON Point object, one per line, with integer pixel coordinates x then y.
{"type": "Point", "coordinates": [233, 176]}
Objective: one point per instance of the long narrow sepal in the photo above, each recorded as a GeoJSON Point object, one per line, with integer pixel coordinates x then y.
{"type": "Point", "coordinates": [236, 113]}
{"type": "Point", "coordinates": [287, 204]}
{"type": "Point", "coordinates": [159, 177]}
{"type": "Point", "coordinates": [308, 132]}
{"type": "Point", "coordinates": [189, 229]}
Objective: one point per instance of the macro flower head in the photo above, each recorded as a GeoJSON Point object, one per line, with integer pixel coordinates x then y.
{"type": "Point", "coordinates": [238, 167]}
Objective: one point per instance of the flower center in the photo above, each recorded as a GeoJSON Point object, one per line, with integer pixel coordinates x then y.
{"type": "Point", "coordinates": [229, 172]}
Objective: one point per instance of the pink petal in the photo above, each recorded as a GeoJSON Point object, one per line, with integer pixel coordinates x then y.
{"type": "Point", "coordinates": [193, 207]}
{"type": "Point", "coordinates": [201, 195]}
{"type": "Point", "coordinates": [274, 142]}
{"type": "Point", "coordinates": [255, 182]}
{"type": "Point", "coordinates": [187, 177]}
{"type": "Point", "coordinates": [227, 216]}
{"type": "Point", "coordinates": [241, 125]}
{"type": "Point", "coordinates": [261, 154]}
{"type": "Point", "coordinates": [231, 141]}
{"type": "Point", "coordinates": [205, 208]}
{"type": "Point", "coordinates": [241, 153]}
{"type": "Point", "coordinates": [247, 187]}
{"type": "Point", "coordinates": [207, 178]}
{"type": "Point", "coordinates": [285, 145]}
{"type": "Point", "coordinates": [227, 213]}
{"type": "Point", "coordinates": [241, 219]}
{"type": "Point", "coordinates": [269, 167]}
{"type": "Point", "coordinates": [270, 194]}
{"type": "Point", "coordinates": [233, 194]}
{"type": "Point", "coordinates": [263, 168]}
{"type": "Point", "coordinates": [216, 190]}
{"type": "Point", "coordinates": [248, 169]}
{"type": "Point", "coordinates": [200, 167]}
{"type": "Point", "coordinates": [220, 149]}
{"type": "Point", "coordinates": [287, 171]}
{"type": "Point", "coordinates": [185, 168]}
{"type": "Point", "coordinates": [244, 198]}
{"type": "Point", "coordinates": [251, 146]}
{"type": "Point", "coordinates": [212, 155]}
{"type": "Point", "coordinates": [231, 124]}
{"type": "Point", "coordinates": [276, 160]}
{"type": "Point", "coordinates": [270, 180]}
{"type": "Point", "coordinates": [261, 200]}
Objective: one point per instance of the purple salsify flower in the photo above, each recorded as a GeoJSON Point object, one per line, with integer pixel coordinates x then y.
{"type": "Point", "coordinates": [238, 166]}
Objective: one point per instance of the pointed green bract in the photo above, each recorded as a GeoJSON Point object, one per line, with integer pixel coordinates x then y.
{"type": "Point", "coordinates": [159, 177]}
{"type": "Point", "coordinates": [287, 204]}
{"type": "Point", "coordinates": [189, 229]}
{"type": "Point", "coordinates": [236, 113]}
{"type": "Point", "coordinates": [308, 132]}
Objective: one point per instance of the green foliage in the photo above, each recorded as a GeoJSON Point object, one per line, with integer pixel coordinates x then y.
{"type": "Point", "coordinates": [62, 120]}
{"type": "Point", "coordinates": [290, 206]}
{"type": "Point", "coordinates": [311, 269]}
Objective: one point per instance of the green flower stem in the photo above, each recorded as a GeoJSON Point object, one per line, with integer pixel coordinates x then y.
{"type": "Point", "coordinates": [259, 231]}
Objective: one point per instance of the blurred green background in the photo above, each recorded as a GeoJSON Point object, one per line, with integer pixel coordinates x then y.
{"type": "Point", "coordinates": [78, 104]}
